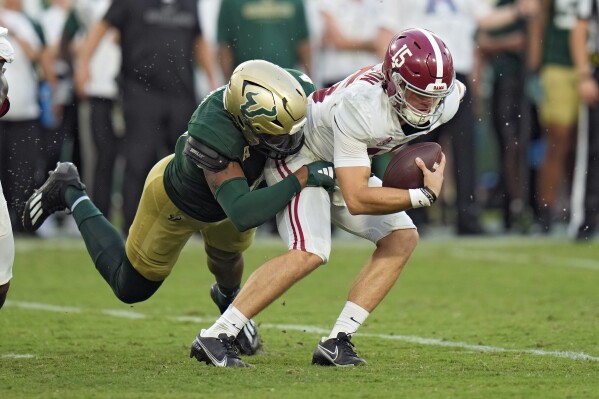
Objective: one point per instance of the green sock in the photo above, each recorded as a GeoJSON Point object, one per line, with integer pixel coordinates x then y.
{"type": "Point", "coordinates": [80, 205]}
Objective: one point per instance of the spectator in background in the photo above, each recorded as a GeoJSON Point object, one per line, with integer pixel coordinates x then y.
{"type": "Point", "coordinates": [585, 203]}
{"type": "Point", "coordinates": [558, 107]}
{"type": "Point", "coordinates": [271, 30]}
{"type": "Point", "coordinates": [20, 131]}
{"type": "Point", "coordinates": [347, 37]}
{"type": "Point", "coordinates": [61, 127]}
{"type": "Point", "coordinates": [209, 10]}
{"type": "Point", "coordinates": [7, 243]}
{"type": "Point", "coordinates": [159, 42]}
{"type": "Point", "coordinates": [59, 108]}
{"type": "Point", "coordinates": [99, 95]}
{"type": "Point", "coordinates": [512, 116]}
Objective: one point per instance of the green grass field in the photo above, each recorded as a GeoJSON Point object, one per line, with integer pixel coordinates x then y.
{"type": "Point", "coordinates": [481, 318]}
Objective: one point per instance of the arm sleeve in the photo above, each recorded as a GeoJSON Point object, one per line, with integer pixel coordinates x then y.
{"type": "Point", "coordinates": [247, 209]}
{"type": "Point", "coordinates": [584, 9]}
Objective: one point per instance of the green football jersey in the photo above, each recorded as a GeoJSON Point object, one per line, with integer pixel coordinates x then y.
{"type": "Point", "coordinates": [211, 125]}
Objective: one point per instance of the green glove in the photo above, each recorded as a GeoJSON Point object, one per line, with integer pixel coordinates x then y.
{"type": "Point", "coordinates": [321, 174]}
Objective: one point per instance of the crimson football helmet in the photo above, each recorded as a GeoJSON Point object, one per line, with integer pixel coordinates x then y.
{"type": "Point", "coordinates": [419, 75]}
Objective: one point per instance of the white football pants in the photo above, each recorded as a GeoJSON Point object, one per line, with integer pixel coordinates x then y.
{"type": "Point", "coordinates": [305, 224]}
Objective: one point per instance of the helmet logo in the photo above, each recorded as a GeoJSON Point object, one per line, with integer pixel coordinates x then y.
{"type": "Point", "coordinates": [436, 87]}
{"type": "Point", "coordinates": [248, 112]}
{"type": "Point", "coordinates": [399, 58]}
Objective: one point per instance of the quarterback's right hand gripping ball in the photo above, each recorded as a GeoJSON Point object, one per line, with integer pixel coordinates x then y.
{"type": "Point", "coordinates": [402, 171]}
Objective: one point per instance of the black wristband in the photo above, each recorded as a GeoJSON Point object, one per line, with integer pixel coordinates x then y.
{"type": "Point", "coordinates": [430, 194]}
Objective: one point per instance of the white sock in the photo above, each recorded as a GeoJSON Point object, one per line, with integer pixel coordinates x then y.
{"type": "Point", "coordinates": [231, 323]}
{"type": "Point", "coordinates": [351, 318]}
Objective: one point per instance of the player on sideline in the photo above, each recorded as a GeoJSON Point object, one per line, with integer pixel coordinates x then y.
{"type": "Point", "coordinates": [205, 186]}
{"type": "Point", "coordinates": [372, 112]}
{"type": "Point", "coordinates": [7, 242]}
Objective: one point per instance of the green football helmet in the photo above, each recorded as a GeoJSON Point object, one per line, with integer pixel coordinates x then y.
{"type": "Point", "coordinates": [269, 106]}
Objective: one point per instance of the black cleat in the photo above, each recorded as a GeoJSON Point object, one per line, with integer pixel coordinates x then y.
{"type": "Point", "coordinates": [248, 341]}
{"type": "Point", "coordinates": [220, 352]}
{"type": "Point", "coordinates": [50, 197]}
{"type": "Point", "coordinates": [337, 352]}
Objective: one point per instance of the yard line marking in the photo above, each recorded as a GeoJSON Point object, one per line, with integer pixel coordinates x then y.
{"type": "Point", "coordinates": [482, 348]}
{"type": "Point", "coordinates": [319, 330]}
{"type": "Point", "coordinates": [43, 306]}
{"type": "Point", "coordinates": [16, 356]}
{"type": "Point", "coordinates": [522, 259]}
{"type": "Point", "coordinates": [125, 314]}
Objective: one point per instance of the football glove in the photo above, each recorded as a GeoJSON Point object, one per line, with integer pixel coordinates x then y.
{"type": "Point", "coordinates": [321, 174]}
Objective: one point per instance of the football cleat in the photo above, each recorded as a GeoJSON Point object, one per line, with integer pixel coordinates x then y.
{"type": "Point", "coordinates": [220, 352]}
{"type": "Point", "coordinates": [337, 352]}
{"type": "Point", "coordinates": [50, 197]}
{"type": "Point", "coordinates": [247, 341]}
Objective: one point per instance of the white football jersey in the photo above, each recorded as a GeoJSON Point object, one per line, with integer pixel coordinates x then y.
{"type": "Point", "coordinates": [354, 120]}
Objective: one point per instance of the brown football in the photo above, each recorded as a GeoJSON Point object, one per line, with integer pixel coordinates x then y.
{"type": "Point", "coordinates": [402, 171]}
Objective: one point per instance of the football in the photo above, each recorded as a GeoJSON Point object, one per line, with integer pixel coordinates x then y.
{"type": "Point", "coordinates": [402, 171]}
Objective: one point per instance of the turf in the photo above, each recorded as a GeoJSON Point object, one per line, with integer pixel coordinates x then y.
{"type": "Point", "coordinates": [481, 318]}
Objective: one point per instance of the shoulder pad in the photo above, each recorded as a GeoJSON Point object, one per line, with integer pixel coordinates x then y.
{"type": "Point", "coordinates": [204, 156]}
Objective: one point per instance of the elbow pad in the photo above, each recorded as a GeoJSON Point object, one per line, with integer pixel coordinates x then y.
{"type": "Point", "coordinates": [203, 156]}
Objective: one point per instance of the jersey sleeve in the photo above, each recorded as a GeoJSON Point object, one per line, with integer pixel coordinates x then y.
{"type": "Point", "coordinates": [117, 13]}
{"type": "Point", "coordinates": [211, 125]}
{"type": "Point", "coordinates": [584, 9]}
{"type": "Point", "coordinates": [351, 127]}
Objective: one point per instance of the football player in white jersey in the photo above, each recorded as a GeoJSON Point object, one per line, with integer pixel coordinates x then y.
{"type": "Point", "coordinates": [7, 244]}
{"type": "Point", "coordinates": [372, 112]}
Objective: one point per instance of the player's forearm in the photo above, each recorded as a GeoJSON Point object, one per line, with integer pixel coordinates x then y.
{"type": "Point", "coordinates": [225, 60]}
{"type": "Point", "coordinates": [247, 209]}
{"type": "Point", "coordinates": [578, 49]}
{"type": "Point", "coordinates": [205, 59]}
{"type": "Point", "coordinates": [31, 53]}
{"type": "Point", "coordinates": [305, 56]}
{"type": "Point", "coordinates": [377, 201]}
{"type": "Point", "coordinates": [91, 42]}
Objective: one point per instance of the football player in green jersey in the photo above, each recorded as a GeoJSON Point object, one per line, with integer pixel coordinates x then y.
{"type": "Point", "coordinates": [207, 186]}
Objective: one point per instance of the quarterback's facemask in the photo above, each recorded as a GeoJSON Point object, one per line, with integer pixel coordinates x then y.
{"type": "Point", "coordinates": [4, 101]}
{"type": "Point", "coordinates": [269, 106]}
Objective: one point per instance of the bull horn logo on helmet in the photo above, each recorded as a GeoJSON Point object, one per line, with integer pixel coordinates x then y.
{"type": "Point", "coordinates": [250, 102]}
